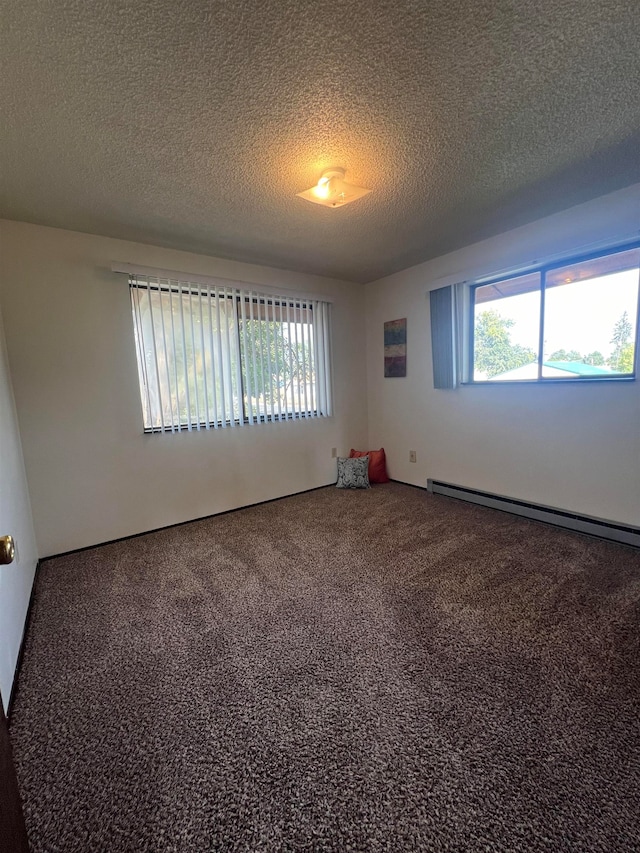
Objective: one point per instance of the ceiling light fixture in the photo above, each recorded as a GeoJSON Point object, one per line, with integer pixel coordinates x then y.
{"type": "Point", "coordinates": [332, 190]}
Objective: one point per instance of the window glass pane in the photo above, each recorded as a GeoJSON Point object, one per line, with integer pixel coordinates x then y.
{"type": "Point", "coordinates": [204, 372]}
{"type": "Point", "coordinates": [591, 317]}
{"type": "Point", "coordinates": [187, 379]}
{"type": "Point", "coordinates": [507, 329]}
{"type": "Point", "coordinates": [278, 357]}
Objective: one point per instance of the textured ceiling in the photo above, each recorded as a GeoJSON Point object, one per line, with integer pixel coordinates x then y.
{"type": "Point", "coordinates": [194, 124]}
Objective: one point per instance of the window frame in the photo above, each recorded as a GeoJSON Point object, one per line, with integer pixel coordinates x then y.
{"type": "Point", "coordinates": [543, 270]}
{"type": "Point", "coordinates": [240, 297]}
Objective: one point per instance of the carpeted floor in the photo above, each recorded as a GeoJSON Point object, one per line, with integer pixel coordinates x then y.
{"type": "Point", "coordinates": [381, 670]}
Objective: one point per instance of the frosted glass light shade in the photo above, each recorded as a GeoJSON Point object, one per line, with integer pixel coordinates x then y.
{"type": "Point", "coordinates": [333, 191]}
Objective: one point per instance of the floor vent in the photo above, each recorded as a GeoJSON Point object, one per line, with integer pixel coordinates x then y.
{"type": "Point", "coordinates": [603, 529]}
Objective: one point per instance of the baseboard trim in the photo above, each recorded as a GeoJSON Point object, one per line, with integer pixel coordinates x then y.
{"type": "Point", "coordinates": [601, 528]}
{"type": "Point", "coordinates": [181, 523]}
{"type": "Point", "coordinates": [412, 485]}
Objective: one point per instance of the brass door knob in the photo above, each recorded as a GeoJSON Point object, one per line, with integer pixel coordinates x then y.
{"type": "Point", "coordinates": [7, 550]}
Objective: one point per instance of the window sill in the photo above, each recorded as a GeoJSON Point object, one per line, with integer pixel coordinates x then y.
{"type": "Point", "coordinates": [586, 380]}
{"type": "Point", "coordinates": [261, 419]}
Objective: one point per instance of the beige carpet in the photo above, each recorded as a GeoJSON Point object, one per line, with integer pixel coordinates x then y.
{"type": "Point", "coordinates": [381, 670]}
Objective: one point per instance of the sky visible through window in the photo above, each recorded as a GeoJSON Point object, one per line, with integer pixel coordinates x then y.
{"type": "Point", "coordinates": [579, 316]}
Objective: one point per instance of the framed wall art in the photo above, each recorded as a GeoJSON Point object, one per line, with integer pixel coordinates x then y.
{"type": "Point", "coordinates": [395, 348]}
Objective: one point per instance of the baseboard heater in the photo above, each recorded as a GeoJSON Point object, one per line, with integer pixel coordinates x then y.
{"type": "Point", "coordinates": [603, 529]}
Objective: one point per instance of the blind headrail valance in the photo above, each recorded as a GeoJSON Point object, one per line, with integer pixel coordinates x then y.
{"type": "Point", "coordinates": [213, 281]}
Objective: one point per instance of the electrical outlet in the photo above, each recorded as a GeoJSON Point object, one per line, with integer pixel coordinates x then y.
{"type": "Point", "coordinates": [334, 452]}
{"type": "Point", "coordinates": [412, 456]}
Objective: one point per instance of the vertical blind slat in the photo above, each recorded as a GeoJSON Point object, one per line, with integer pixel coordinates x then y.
{"type": "Point", "coordinates": [262, 356]}
{"type": "Point", "coordinates": [214, 393]}
{"type": "Point", "coordinates": [142, 360]}
{"type": "Point", "coordinates": [441, 308]}
{"type": "Point", "coordinates": [233, 313]}
{"type": "Point", "coordinates": [248, 385]}
{"type": "Point", "coordinates": [194, 359]}
{"type": "Point", "coordinates": [254, 368]}
{"type": "Point", "coordinates": [297, 355]}
{"type": "Point", "coordinates": [311, 372]}
{"type": "Point", "coordinates": [203, 356]}
{"type": "Point", "coordinates": [303, 329]}
{"type": "Point", "coordinates": [165, 358]}
{"type": "Point", "coordinates": [267, 335]}
{"type": "Point", "coordinates": [325, 366]}
{"type": "Point", "coordinates": [324, 358]}
{"type": "Point", "coordinates": [223, 412]}
{"type": "Point", "coordinates": [155, 371]}
{"type": "Point", "coordinates": [185, 366]}
{"type": "Point", "coordinates": [279, 338]}
{"type": "Point", "coordinates": [312, 363]}
{"type": "Point", "coordinates": [227, 363]}
{"type": "Point", "coordinates": [316, 347]}
{"type": "Point", "coordinates": [289, 348]}
{"type": "Point", "coordinates": [175, 360]}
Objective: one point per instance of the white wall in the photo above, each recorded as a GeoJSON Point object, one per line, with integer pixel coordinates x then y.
{"type": "Point", "coordinates": [571, 446]}
{"type": "Point", "coordinates": [93, 475]}
{"type": "Point", "coordinates": [16, 579]}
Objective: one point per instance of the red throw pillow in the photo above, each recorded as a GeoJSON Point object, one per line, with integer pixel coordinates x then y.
{"type": "Point", "coordinates": [377, 464]}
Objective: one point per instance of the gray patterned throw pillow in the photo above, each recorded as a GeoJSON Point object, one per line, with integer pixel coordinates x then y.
{"type": "Point", "coordinates": [353, 473]}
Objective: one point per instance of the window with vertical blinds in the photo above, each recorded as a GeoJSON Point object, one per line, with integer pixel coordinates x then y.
{"type": "Point", "coordinates": [212, 357]}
